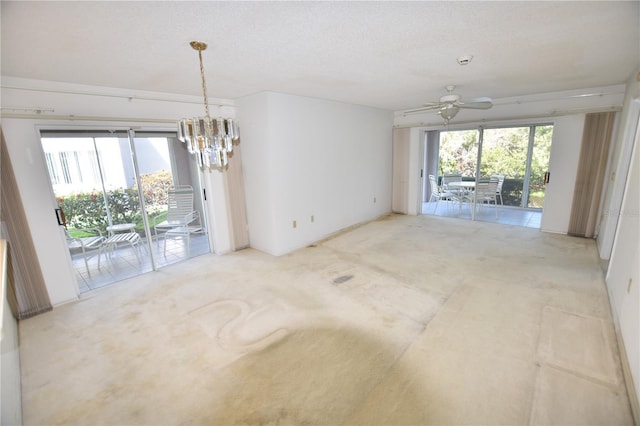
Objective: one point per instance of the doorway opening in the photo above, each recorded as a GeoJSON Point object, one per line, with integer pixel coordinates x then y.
{"type": "Point", "coordinates": [113, 192]}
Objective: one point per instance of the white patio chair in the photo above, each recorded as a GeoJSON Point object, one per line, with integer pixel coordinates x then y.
{"type": "Point", "coordinates": [446, 179]}
{"type": "Point", "coordinates": [182, 232]}
{"type": "Point", "coordinates": [438, 194]}
{"type": "Point", "coordinates": [500, 180]}
{"type": "Point", "coordinates": [180, 211]}
{"type": "Point", "coordinates": [85, 245]}
{"type": "Point", "coordinates": [486, 192]}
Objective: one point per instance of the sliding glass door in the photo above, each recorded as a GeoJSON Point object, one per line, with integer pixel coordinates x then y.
{"type": "Point", "coordinates": [518, 154]}
{"type": "Point", "coordinates": [112, 191]}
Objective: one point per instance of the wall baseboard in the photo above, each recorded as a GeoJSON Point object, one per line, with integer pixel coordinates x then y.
{"type": "Point", "coordinates": [628, 379]}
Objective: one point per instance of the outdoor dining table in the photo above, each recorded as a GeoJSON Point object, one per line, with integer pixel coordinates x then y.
{"type": "Point", "coordinates": [468, 186]}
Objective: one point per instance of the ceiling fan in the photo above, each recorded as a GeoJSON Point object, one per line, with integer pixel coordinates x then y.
{"type": "Point", "coordinates": [451, 103]}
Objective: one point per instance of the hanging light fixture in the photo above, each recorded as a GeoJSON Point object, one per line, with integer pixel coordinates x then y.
{"type": "Point", "coordinates": [210, 140]}
{"type": "Point", "coordinates": [448, 112]}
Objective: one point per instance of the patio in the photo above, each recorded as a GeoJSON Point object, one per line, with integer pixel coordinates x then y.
{"type": "Point", "coordinates": [507, 215]}
{"type": "Point", "coordinates": [123, 263]}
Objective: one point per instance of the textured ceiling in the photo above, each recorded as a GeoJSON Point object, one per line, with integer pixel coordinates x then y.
{"type": "Point", "coordinates": [391, 55]}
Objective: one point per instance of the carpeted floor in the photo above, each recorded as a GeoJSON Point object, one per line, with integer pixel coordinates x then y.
{"type": "Point", "coordinates": [404, 320]}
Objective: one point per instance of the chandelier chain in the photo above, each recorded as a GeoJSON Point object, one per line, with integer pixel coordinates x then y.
{"type": "Point", "coordinates": [204, 85]}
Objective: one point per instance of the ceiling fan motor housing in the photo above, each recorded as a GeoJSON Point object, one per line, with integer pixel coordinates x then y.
{"type": "Point", "coordinates": [450, 98]}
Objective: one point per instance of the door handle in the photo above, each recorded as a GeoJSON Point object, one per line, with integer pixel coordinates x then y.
{"type": "Point", "coordinates": [62, 221]}
{"type": "Point", "coordinates": [547, 176]}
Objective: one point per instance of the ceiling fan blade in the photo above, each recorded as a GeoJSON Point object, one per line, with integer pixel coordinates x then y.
{"type": "Point", "coordinates": [425, 107]}
{"type": "Point", "coordinates": [478, 103]}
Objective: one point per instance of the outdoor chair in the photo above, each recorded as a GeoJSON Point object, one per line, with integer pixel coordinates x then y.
{"type": "Point", "coordinates": [180, 211]}
{"type": "Point", "coordinates": [500, 180]}
{"type": "Point", "coordinates": [446, 179]}
{"type": "Point", "coordinates": [437, 193]}
{"type": "Point", "coordinates": [85, 245]}
{"type": "Point", "coordinates": [486, 192]}
{"type": "Point", "coordinates": [183, 232]}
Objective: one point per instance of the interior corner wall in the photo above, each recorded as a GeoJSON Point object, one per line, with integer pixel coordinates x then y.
{"type": "Point", "coordinates": [258, 162]}
{"type": "Point", "coordinates": [312, 167]}
{"type": "Point", "coordinates": [619, 166]}
{"type": "Point", "coordinates": [623, 277]}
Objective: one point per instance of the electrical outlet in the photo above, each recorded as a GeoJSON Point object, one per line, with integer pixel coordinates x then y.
{"type": "Point", "coordinates": [295, 224]}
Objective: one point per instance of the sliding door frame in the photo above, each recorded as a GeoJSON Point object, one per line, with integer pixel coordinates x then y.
{"type": "Point", "coordinates": [128, 138]}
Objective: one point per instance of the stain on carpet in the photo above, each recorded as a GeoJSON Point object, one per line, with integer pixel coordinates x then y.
{"type": "Point", "coordinates": [342, 279]}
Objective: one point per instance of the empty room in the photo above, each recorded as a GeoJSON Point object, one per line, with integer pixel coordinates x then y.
{"type": "Point", "coordinates": [329, 213]}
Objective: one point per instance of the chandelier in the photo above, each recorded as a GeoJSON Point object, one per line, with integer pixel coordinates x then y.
{"type": "Point", "coordinates": [210, 140]}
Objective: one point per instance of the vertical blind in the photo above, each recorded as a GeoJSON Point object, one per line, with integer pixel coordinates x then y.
{"type": "Point", "coordinates": [596, 139]}
{"type": "Point", "coordinates": [237, 206]}
{"type": "Point", "coordinates": [25, 280]}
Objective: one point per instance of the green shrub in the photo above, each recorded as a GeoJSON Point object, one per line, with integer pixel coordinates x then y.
{"type": "Point", "coordinates": [155, 187]}
{"type": "Point", "coordinates": [87, 210]}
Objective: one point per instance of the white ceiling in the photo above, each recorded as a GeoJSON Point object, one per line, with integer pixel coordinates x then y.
{"type": "Point", "coordinates": [391, 55]}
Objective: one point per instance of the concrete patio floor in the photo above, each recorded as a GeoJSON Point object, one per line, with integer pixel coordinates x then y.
{"type": "Point", "coordinates": [404, 320]}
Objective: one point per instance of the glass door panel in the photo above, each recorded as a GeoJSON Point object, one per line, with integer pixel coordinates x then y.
{"type": "Point", "coordinates": [458, 153]}
{"type": "Point", "coordinates": [164, 165]}
{"type": "Point", "coordinates": [540, 154]}
{"type": "Point", "coordinates": [504, 152]}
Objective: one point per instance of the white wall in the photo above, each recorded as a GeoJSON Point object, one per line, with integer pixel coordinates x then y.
{"type": "Point", "coordinates": [307, 157]}
{"type": "Point", "coordinates": [621, 148]}
{"type": "Point", "coordinates": [83, 107]}
{"type": "Point", "coordinates": [623, 277]}
{"type": "Point", "coordinates": [563, 166]}
{"type": "Point", "coordinates": [259, 161]}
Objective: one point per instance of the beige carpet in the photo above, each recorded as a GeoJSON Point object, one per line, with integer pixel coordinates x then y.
{"type": "Point", "coordinates": [405, 320]}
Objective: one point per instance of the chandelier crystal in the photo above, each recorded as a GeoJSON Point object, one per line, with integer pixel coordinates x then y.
{"type": "Point", "coordinates": [210, 140]}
